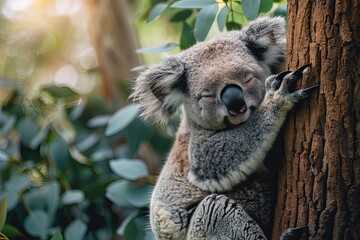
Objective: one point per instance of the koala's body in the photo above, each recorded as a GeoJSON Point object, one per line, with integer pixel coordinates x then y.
{"type": "Point", "coordinates": [214, 184]}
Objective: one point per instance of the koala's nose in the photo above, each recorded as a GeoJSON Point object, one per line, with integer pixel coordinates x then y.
{"type": "Point", "coordinates": [232, 97]}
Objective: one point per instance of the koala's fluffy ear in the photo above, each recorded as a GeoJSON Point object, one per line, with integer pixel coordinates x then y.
{"type": "Point", "coordinates": [266, 39]}
{"type": "Point", "coordinates": [160, 90]}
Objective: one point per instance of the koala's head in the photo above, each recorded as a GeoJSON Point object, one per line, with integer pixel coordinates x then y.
{"type": "Point", "coordinates": [219, 82]}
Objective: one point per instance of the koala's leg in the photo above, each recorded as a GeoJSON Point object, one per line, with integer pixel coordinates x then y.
{"type": "Point", "coordinates": [218, 217]}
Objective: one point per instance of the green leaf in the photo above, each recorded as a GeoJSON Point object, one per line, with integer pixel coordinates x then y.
{"type": "Point", "coordinates": [36, 224]}
{"type": "Point", "coordinates": [280, 11]}
{"type": "Point", "coordinates": [18, 183]}
{"type": "Point", "coordinates": [221, 17]}
{"type": "Point", "coordinates": [39, 137]}
{"type": "Point", "coordinates": [187, 38]}
{"type": "Point", "coordinates": [250, 8]}
{"type": "Point", "coordinates": [130, 169]}
{"type": "Point", "coordinates": [72, 197]}
{"type": "Point", "coordinates": [127, 194]}
{"type": "Point", "coordinates": [11, 232]}
{"type": "Point", "coordinates": [192, 4]}
{"type": "Point", "coordinates": [121, 119]}
{"type": "Point", "coordinates": [116, 192]}
{"type": "Point", "coordinates": [98, 121]}
{"type": "Point", "coordinates": [204, 21]}
{"type": "Point", "coordinates": [27, 129]}
{"type": "Point", "coordinates": [76, 230]}
{"type": "Point", "coordinates": [57, 236]}
{"type": "Point", "coordinates": [121, 230]}
{"type": "Point", "coordinates": [265, 6]}
{"type": "Point", "coordinates": [139, 196]}
{"type": "Point", "coordinates": [59, 153]}
{"type": "Point", "coordinates": [59, 91]}
{"type": "Point", "coordinates": [12, 199]}
{"type": "Point", "coordinates": [3, 212]}
{"type": "Point", "coordinates": [156, 11]}
{"type": "Point", "coordinates": [46, 198]}
{"type": "Point", "coordinates": [233, 26]}
{"type": "Point", "coordinates": [181, 16]}
{"type": "Point", "coordinates": [4, 156]}
{"type": "Point", "coordinates": [88, 142]}
{"type": "Point", "coordinates": [166, 47]}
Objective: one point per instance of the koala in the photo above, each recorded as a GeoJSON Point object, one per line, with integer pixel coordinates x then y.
{"type": "Point", "coordinates": [214, 184]}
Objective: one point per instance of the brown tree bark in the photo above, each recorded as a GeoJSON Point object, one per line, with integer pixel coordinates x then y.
{"type": "Point", "coordinates": [111, 32]}
{"type": "Point", "coordinates": [319, 181]}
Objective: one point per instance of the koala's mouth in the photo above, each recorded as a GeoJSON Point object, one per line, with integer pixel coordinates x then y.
{"type": "Point", "coordinates": [234, 119]}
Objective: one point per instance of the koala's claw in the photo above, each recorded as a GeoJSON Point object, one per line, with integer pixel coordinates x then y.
{"type": "Point", "coordinates": [294, 233]}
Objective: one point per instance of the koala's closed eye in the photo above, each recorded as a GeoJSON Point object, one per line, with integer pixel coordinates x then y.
{"type": "Point", "coordinates": [208, 97]}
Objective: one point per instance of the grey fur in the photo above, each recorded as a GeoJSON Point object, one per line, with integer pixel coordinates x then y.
{"type": "Point", "coordinates": [214, 151]}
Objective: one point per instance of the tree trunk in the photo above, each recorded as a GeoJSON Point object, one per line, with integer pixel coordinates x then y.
{"type": "Point", "coordinates": [112, 35]}
{"type": "Point", "coordinates": [319, 181]}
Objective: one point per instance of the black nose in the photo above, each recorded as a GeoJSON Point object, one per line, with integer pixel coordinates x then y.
{"type": "Point", "coordinates": [232, 97]}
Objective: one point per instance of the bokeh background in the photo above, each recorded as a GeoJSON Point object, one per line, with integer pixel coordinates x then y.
{"type": "Point", "coordinates": [76, 161]}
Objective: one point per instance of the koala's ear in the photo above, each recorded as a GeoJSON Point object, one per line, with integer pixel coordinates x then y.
{"type": "Point", "coordinates": [266, 39]}
{"type": "Point", "coordinates": [160, 90]}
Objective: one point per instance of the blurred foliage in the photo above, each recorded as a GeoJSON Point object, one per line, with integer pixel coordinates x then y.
{"type": "Point", "coordinates": [69, 165]}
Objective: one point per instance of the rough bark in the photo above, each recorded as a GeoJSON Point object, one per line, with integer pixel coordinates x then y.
{"type": "Point", "coordinates": [319, 181]}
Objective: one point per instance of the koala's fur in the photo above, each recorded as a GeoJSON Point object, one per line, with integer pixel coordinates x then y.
{"type": "Point", "coordinates": [214, 184]}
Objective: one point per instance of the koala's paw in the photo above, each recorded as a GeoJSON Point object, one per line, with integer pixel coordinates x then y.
{"type": "Point", "coordinates": [281, 87]}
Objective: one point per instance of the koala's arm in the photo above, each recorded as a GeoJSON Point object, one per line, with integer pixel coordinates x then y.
{"type": "Point", "coordinates": [221, 160]}
{"type": "Point", "coordinates": [174, 199]}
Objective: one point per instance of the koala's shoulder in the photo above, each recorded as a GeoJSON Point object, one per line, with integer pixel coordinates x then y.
{"type": "Point", "coordinates": [178, 155]}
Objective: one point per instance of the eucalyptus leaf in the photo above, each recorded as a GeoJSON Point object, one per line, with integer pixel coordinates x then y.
{"type": "Point", "coordinates": [192, 4]}
{"type": "Point", "coordinates": [76, 230]}
{"type": "Point", "coordinates": [250, 8]}
{"type": "Point", "coordinates": [4, 156]}
{"type": "Point", "coordinates": [130, 169]}
{"type": "Point", "coordinates": [181, 16]}
{"type": "Point", "coordinates": [27, 129]}
{"type": "Point", "coordinates": [265, 6]}
{"type": "Point", "coordinates": [280, 11]}
{"type": "Point", "coordinates": [156, 11]}
{"type": "Point", "coordinates": [121, 230]}
{"type": "Point", "coordinates": [57, 236]}
{"type": "Point", "coordinates": [221, 17]}
{"type": "Point", "coordinates": [187, 38]}
{"type": "Point", "coordinates": [98, 121]}
{"type": "Point", "coordinates": [139, 196]}
{"type": "Point", "coordinates": [12, 199]}
{"type": "Point", "coordinates": [166, 47]}
{"type": "Point", "coordinates": [128, 194]}
{"type": "Point", "coordinates": [45, 198]}
{"type": "Point", "coordinates": [88, 142]}
{"type": "Point", "coordinates": [3, 211]}
{"type": "Point", "coordinates": [59, 91]}
{"type": "Point", "coordinates": [11, 232]}
{"type": "Point", "coordinates": [18, 183]}
{"type": "Point", "coordinates": [116, 192]}
{"type": "Point", "coordinates": [39, 137]}
{"type": "Point", "coordinates": [7, 124]}
{"type": "Point", "coordinates": [59, 153]}
{"type": "Point", "coordinates": [204, 21]}
{"type": "Point", "coordinates": [72, 197]}
{"type": "Point", "coordinates": [121, 119]}
{"type": "Point", "coordinates": [36, 224]}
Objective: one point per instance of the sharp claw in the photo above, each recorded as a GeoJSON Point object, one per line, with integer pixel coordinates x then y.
{"type": "Point", "coordinates": [293, 233]}
{"type": "Point", "coordinates": [281, 75]}
{"type": "Point", "coordinates": [310, 89]}
{"type": "Point", "coordinates": [298, 72]}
